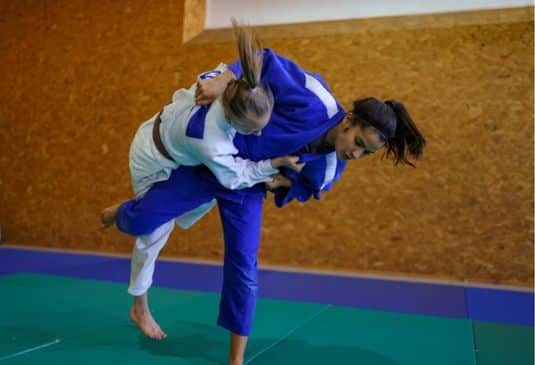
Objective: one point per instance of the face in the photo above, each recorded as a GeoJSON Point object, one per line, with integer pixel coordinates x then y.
{"type": "Point", "coordinates": [355, 142]}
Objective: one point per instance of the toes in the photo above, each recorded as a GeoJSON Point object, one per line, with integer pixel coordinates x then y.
{"type": "Point", "coordinates": [151, 333]}
{"type": "Point", "coordinates": [161, 334]}
{"type": "Point", "coordinates": [155, 332]}
{"type": "Point", "coordinates": [148, 326]}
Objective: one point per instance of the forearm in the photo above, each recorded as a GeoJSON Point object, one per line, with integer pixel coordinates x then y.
{"type": "Point", "coordinates": [237, 173]}
{"type": "Point", "coordinates": [277, 162]}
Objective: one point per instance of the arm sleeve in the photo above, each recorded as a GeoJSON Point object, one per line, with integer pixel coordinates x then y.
{"type": "Point", "coordinates": [300, 189]}
{"type": "Point", "coordinates": [318, 175]}
{"type": "Point", "coordinates": [234, 172]}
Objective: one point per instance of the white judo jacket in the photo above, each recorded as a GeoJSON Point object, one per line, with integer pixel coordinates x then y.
{"type": "Point", "coordinates": [215, 149]}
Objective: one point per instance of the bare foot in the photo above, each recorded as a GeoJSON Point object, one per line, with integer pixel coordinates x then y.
{"type": "Point", "coordinates": [143, 319]}
{"type": "Point", "coordinates": [107, 217]}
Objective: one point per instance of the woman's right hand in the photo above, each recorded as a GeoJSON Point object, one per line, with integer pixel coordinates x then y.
{"type": "Point", "coordinates": [209, 89]}
{"type": "Point", "coordinates": [278, 181]}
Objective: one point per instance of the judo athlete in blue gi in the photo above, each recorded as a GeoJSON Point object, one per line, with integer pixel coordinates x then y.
{"type": "Point", "coordinates": [306, 121]}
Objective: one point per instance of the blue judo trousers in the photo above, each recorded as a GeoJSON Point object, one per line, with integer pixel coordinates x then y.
{"type": "Point", "coordinates": [304, 111]}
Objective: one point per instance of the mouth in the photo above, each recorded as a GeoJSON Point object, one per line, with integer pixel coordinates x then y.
{"type": "Point", "coordinates": [348, 156]}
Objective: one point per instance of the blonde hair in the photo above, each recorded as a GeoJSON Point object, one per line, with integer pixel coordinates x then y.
{"type": "Point", "coordinates": [246, 98]}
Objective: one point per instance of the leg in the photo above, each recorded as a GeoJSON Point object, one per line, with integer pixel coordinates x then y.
{"type": "Point", "coordinates": [166, 200]}
{"type": "Point", "coordinates": [237, 348]}
{"type": "Point", "coordinates": [241, 227]}
{"type": "Point", "coordinates": [144, 257]}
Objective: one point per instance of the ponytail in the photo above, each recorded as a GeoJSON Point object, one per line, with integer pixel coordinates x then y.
{"type": "Point", "coordinates": [407, 138]}
{"type": "Point", "coordinates": [246, 98]}
{"type": "Point", "coordinates": [251, 54]}
{"type": "Point", "coordinates": [394, 125]}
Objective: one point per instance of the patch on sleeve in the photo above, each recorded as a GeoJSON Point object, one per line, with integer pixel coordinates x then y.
{"type": "Point", "coordinates": [209, 75]}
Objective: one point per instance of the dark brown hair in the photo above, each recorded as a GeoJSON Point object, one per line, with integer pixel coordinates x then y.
{"type": "Point", "coordinates": [246, 98]}
{"type": "Point", "coordinates": [395, 126]}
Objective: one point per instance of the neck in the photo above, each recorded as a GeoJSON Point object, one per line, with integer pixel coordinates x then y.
{"type": "Point", "coordinates": [330, 138]}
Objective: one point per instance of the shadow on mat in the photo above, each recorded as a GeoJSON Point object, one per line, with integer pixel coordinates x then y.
{"type": "Point", "coordinates": [189, 340]}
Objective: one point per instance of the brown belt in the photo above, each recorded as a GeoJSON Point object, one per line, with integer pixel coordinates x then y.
{"type": "Point", "coordinates": [158, 139]}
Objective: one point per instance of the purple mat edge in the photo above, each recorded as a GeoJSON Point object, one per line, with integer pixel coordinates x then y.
{"type": "Point", "coordinates": [379, 294]}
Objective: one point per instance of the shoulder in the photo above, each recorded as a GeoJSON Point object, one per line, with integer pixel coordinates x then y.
{"type": "Point", "coordinates": [215, 142]}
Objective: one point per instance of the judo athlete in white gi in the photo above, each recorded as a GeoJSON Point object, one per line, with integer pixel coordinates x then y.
{"type": "Point", "coordinates": [185, 134]}
{"type": "Point", "coordinates": [307, 121]}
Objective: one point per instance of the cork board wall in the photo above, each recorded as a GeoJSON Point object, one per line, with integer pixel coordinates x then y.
{"type": "Point", "coordinates": [79, 77]}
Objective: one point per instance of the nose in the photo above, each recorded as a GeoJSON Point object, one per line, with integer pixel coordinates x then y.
{"type": "Point", "coordinates": [356, 154]}
{"type": "Point", "coordinates": [258, 133]}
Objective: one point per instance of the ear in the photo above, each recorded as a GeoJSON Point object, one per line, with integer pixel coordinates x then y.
{"type": "Point", "coordinates": [347, 119]}
{"type": "Point", "coordinates": [346, 123]}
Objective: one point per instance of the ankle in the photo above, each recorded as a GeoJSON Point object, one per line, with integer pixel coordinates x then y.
{"type": "Point", "coordinates": [140, 303]}
{"type": "Point", "coordinates": [236, 359]}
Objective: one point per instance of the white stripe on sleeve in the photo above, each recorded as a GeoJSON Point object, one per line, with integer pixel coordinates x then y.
{"type": "Point", "coordinates": [330, 169]}
{"type": "Point", "coordinates": [317, 88]}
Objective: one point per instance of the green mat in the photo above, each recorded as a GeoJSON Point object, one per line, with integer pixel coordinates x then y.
{"type": "Point", "coordinates": [90, 320]}
{"type": "Point", "coordinates": [499, 344]}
